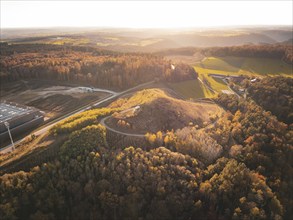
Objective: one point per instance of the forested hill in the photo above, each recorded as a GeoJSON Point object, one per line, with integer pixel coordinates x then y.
{"type": "Point", "coordinates": [10, 49]}
{"type": "Point", "coordinates": [238, 167]}
{"type": "Point", "coordinates": [274, 94]}
{"type": "Point", "coordinates": [86, 64]}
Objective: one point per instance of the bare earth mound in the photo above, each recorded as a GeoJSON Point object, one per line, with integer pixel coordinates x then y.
{"type": "Point", "coordinates": [153, 110]}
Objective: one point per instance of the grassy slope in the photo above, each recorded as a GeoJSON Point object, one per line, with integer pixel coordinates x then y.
{"type": "Point", "coordinates": [243, 65]}
{"type": "Point", "coordinates": [191, 89]}
{"type": "Point", "coordinates": [229, 66]}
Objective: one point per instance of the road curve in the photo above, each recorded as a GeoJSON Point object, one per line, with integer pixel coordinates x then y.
{"type": "Point", "coordinates": [207, 86]}
{"type": "Point", "coordinates": [102, 122]}
{"type": "Point", "coordinates": [40, 131]}
{"type": "Point", "coordinates": [82, 109]}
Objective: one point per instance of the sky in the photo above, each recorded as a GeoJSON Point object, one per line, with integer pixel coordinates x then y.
{"type": "Point", "coordinates": [144, 14]}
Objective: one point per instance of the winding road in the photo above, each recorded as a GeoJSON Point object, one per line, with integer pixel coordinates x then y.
{"type": "Point", "coordinates": [233, 92]}
{"type": "Point", "coordinates": [211, 89]}
{"type": "Point", "coordinates": [204, 84]}
{"type": "Point", "coordinates": [102, 122]}
{"type": "Point", "coordinates": [42, 130]}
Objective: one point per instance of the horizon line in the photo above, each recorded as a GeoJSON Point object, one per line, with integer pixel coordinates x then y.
{"type": "Point", "coordinates": [129, 27]}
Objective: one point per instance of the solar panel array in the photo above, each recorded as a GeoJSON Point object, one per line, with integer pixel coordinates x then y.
{"type": "Point", "coordinates": [8, 111]}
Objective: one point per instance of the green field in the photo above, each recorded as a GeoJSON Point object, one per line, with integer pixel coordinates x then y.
{"type": "Point", "coordinates": [228, 66]}
{"type": "Point", "coordinates": [244, 65]}
{"type": "Point", "coordinates": [191, 89]}
{"type": "Point", "coordinates": [240, 65]}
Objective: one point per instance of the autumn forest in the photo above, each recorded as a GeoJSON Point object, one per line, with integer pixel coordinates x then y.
{"type": "Point", "coordinates": [147, 124]}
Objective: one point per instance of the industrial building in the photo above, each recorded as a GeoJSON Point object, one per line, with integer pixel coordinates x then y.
{"type": "Point", "coordinates": [19, 118]}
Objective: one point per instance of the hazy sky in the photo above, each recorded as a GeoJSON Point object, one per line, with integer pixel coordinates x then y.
{"type": "Point", "coordinates": [143, 14]}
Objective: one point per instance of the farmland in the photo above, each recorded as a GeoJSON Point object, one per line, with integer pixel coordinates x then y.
{"type": "Point", "coordinates": [252, 67]}
{"type": "Point", "coordinates": [244, 65]}
{"type": "Point", "coordinates": [191, 89]}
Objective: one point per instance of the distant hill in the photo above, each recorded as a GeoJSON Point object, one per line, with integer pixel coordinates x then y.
{"type": "Point", "coordinates": [150, 40]}
{"type": "Point", "coordinates": [210, 40]}
{"type": "Point", "coordinates": [282, 51]}
{"type": "Point", "coordinates": [194, 39]}
{"type": "Point", "coordinates": [279, 35]}
{"type": "Point", "coordinates": [290, 41]}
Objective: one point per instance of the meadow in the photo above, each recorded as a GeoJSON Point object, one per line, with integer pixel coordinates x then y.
{"type": "Point", "coordinates": [244, 65]}
{"type": "Point", "coordinates": [259, 67]}
{"type": "Point", "coordinates": [191, 89]}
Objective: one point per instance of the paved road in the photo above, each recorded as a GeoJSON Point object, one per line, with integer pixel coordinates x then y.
{"type": "Point", "coordinates": [225, 81]}
{"type": "Point", "coordinates": [102, 122]}
{"type": "Point", "coordinates": [82, 109]}
{"type": "Point", "coordinates": [210, 88]}
{"type": "Point", "coordinates": [204, 84]}
{"type": "Point", "coordinates": [49, 126]}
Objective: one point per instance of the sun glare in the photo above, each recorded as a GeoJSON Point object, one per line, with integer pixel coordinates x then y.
{"type": "Point", "coordinates": [159, 14]}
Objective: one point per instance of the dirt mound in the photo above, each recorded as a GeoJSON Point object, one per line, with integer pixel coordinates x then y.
{"type": "Point", "coordinates": [153, 110]}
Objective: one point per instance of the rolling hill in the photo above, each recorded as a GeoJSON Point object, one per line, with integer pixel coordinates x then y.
{"type": "Point", "coordinates": [148, 40]}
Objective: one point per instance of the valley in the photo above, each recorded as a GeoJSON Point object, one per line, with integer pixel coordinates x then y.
{"type": "Point", "coordinates": [195, 124]}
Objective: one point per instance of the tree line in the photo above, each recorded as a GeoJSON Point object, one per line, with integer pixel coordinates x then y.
{"type": "Point", "coordinates": [87, 65]}
{"type": "Point", "coordinates": [277, 51]}
{"type": "Point", "coordinates": [274, 94]}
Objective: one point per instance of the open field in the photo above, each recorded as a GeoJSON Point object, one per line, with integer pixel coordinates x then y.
{"type": "Point", "coordinates": [191, 60]}
{"type": "Point", "coordinates": [191, 89]}
{"type": "Point", "coordinates": [240, 65]}
{"type": "Point", "coordinates": [244, 65]}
